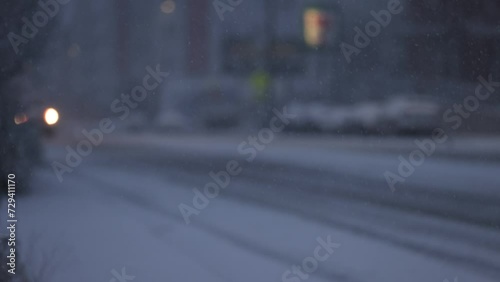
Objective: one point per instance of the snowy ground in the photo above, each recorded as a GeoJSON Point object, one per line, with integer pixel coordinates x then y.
{"type": "Point", "coordinates": [119, 209]}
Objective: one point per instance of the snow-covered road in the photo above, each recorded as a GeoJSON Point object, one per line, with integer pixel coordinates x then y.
{"type": "Point", "coordinates": [119, 212]}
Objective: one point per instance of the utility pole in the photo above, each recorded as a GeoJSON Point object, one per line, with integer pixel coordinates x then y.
{"type": "Point", "coordinates": [269, 33]}
{"type": "Point", "coordinates": [270, 16]}
{"type": "Point", "coordinates": [122, 42]}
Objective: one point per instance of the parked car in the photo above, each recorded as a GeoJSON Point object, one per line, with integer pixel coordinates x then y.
{"type": "Point", "coordinates": [411, 114]}
{"type": "Point", "coordinates": [203, 104]}
{"type": "Point", "coordinates": [316, 116]}
{"type": "Point", "coordinates": [136, 122]}
{"type": "Point", "coordinates": [173, 120]}
{"type": "Point", "coordinates": [367, 117]}
{"type": "Point", "coordinates": [308, 116]}
{"type": "Point", "coordinates": [219, 108]}
{"type": "Point", "coordinates": [336, 119]}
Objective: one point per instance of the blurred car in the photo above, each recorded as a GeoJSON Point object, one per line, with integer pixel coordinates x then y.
{"type": "Point", "coordinates": [22, 129]}
{"type": "Point", "coordinates": [308, 116]}
{"type": "Point", "coordinates": [41, 114]}
{"type": "Point", "coordinates": [137, 121]}
{"type": "Point", "coordinates": [202, 104]}
{"type": "Point", "coordinates": [173, 120]}
{"type": "Point", "coordinates": [411, 114]}
{"type": "Point", "coordinates": [335, 119]}
{"type": "Point", "coordinates": [367, 117]}
{"type": "Point", "coordinates": [219, 108]}
{"type": "Point", "coordinates": [316, 116]}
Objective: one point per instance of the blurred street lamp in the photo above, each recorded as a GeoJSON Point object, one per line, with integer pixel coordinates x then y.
{"type": "Point", "coordinates": [51, 116]}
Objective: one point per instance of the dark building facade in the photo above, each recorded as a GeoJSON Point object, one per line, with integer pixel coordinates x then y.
{"type": "Point", "coordinates": [452, 42]}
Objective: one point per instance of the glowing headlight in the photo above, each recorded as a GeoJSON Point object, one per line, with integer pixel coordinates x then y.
{"type": "Point", "coordinates": [51, 116]}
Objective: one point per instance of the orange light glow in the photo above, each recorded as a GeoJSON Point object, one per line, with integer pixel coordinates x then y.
{"type": "Point", "coordinates": [20, 118]}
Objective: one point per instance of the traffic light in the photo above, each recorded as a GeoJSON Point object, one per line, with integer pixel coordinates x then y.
{"type": "Point", "coordinates": [320, 26]}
